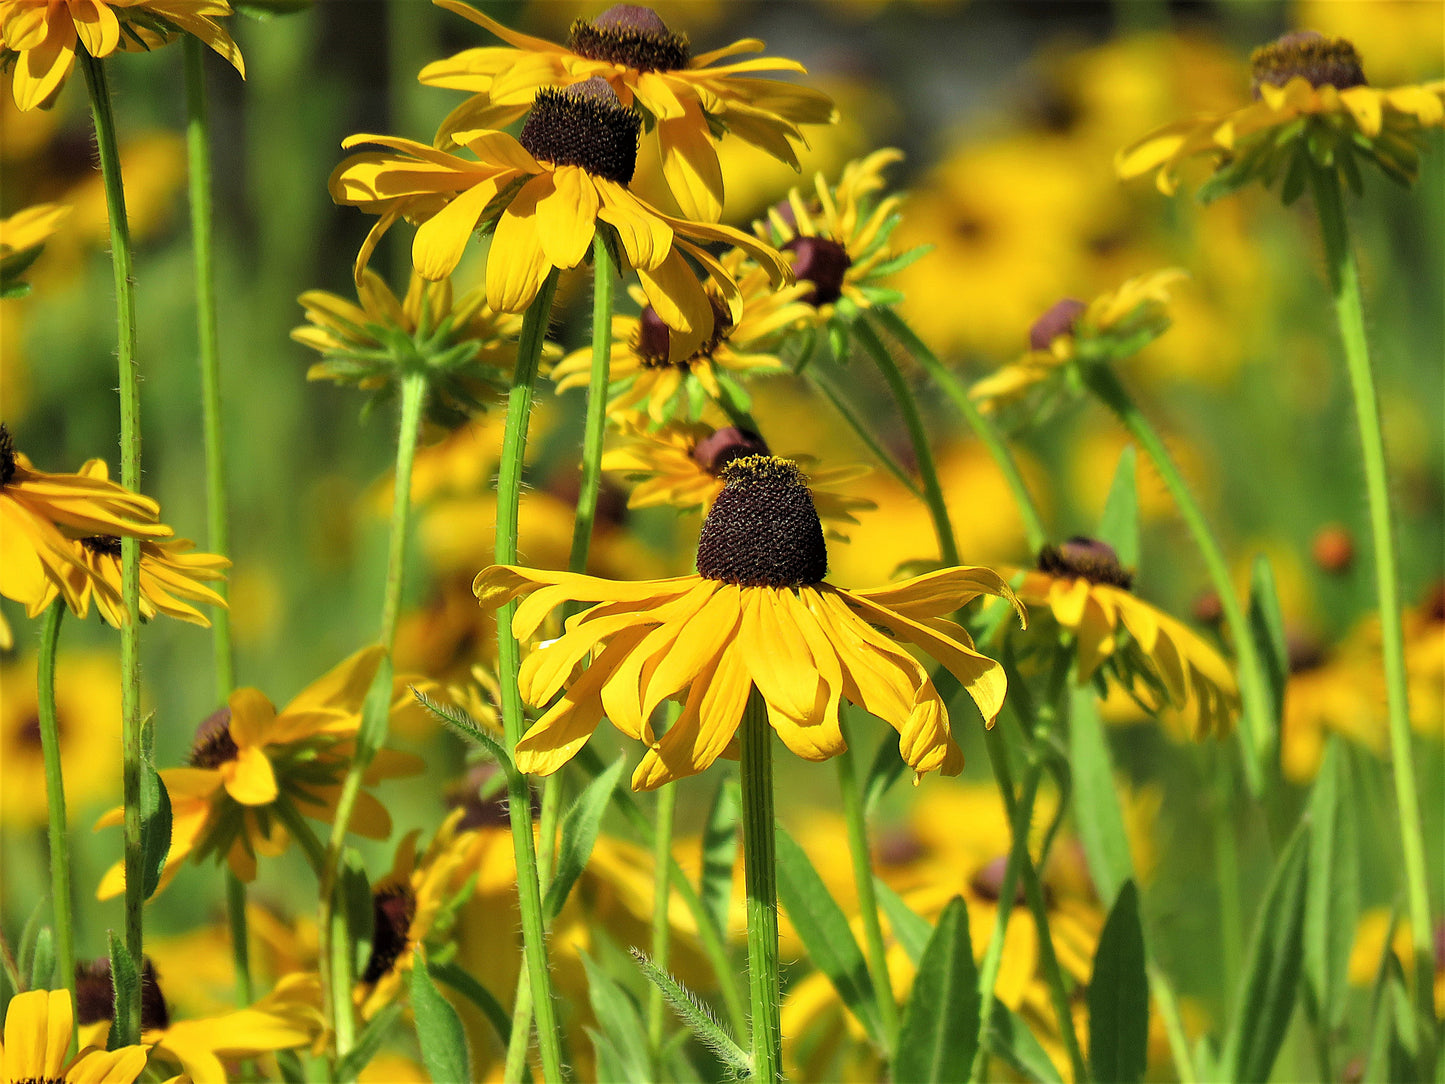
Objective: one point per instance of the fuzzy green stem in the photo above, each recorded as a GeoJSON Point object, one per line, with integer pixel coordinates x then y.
{"type": "Point", "coordinates": [240, 946]}
{"type": "Point", "coordinates": [661, 920]}
{"type": "Point", "coordinates": [519, 799]}
{"type": "Point", "coordinates": [760, 875]}
{"type": "Point", "coordinates": [982, 427]}
{"type": "Point", "coordinates": [413, 398]}
{"type": "Point", "coordinates": [61, 903]}
{"type": "Point", "coordinates": [856, 820]}
{"type": "Point", "coordinates": [123, 267]}
{"type": "Point", "coordinates": [1256, 730]}
{"type": "Point", "coordinates": [913, 420]}
{"type": "Point", "coordinates": [1344, 276]}
{"type": "Point", "coordinates": [860, 430]}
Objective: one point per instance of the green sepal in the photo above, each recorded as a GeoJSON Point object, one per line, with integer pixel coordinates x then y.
{"type": "Point", "coordinates": [579, 834]}
{"type": "Point", "coordinates": [938, 1036]}
{"type": "Point", "coordinates": [438, 1028]}
{"type": "Point", "coordinates": [1119, 995]}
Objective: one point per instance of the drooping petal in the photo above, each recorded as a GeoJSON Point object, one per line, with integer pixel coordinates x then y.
{"type": "Point", "coordinates": [516, 262]}
{"type": "Point", "coordinates": [440, 240]}
{"type": "Point", "coordinates": [567, 217]}
{"type": "Point", "coordinates": [249, 778]}
{"type": "Point", "coordinates": [705, 728]}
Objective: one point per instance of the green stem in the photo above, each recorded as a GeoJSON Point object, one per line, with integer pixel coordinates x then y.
{"type": "Point", "coordinates": [1256, 730]}
{"type": "Point", "coordinates": [61, 903]}
{"type": "Point", "coordinates": [913, 420]}
{"type": "Point", "coordinates": [1162, 991]}
{"type": "Point", "coordinates": [596, 424]}
{"type": "Point", "coordinates": [302, 833]}
{"type": "Point", "coordinates": [1226, 871]}
{"type": "Point", "coordinates": [860, 430]}
{"type": "Point", "coordinates": [413, 398]}
{"type": "Point", "coordinates": [122, 265]}
{"type": "Point", "coordinates": [240, 947]}
{"type": "Point", "coordinates": [982, 427]}
{"type": "Point", "coordinates": [760, 875]}
{"type": "Point", "coordinates": [1344, 275]}
{"type": "Point", "coordinates": [519, 800]}
{"type": "Point", "coordinates": [855, 818]}
{"type": "Point", "coordinates": [661, 920]}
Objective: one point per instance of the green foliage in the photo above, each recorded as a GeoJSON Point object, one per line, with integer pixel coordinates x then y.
{"type": "Point", "coordinates": [620, 1041]}
{"type": "Point", "coordinates": [579, 833]}
{"type": "Point", "coordinates": [438, 1029]}
{"type": "Point", "coordinates": [1119, 525]}
{"type": "Point", "coordinates": [939, 1032]}
{"type": "Point", "coordinates": [719, 851]}
{"type": "Point", "coordinates": [1119, 994]}
{"type": "Point", "coordinates": [1332, 905]}
{"type": "Point", "coordinates": [1097, 815]}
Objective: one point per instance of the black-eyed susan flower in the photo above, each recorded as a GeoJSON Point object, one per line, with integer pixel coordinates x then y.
{"type": "Point", "coordinates": [42, 513]}
{"type": "Point", "coordinates": [1114, 326]}
{"type": "Point", "coordinates": [643, 374]}
{"type": "Point", "coordinates": [680, 464]}
{"type": "Point", "coordinates": [39, 1031]}
{"type": "Point", "coordinates": [756, 615]}
{"type": "Point", "coordinates": [22, 236]}
{"type": "Point", "coordinates": [40, 36]}
{"type": "Point", "coordinates": [1313, 109]}
{"type": "Point", "coordinates": [254, 773]}
{"type": "Point", "coordinates": [687, 101]}
{"type": "Point", "coordinates": [542, 196]}
{"type": "Point", "coordinates": [1081, 586]}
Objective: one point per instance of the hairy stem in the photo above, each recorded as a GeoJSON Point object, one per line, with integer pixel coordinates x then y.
{"type": "Point", "coordinates": [61, 903]}
{"type": "Point", "coordinates": [755, 737]}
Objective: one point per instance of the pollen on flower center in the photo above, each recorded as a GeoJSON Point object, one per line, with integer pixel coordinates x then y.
{"type": "Point", "coordinates": [714, 453]}
{"type": "Point", "coordinates": [1321, 60]}
{"type": "Point", "coordinates": [584, 125]}
{"type": "Point", "coordinates": [95, 995]}
{"type": "Point", "coordinates": [654, 338]}
{"type": "Point", "coordinates": [108, 544]}
{"type": "Point", "coordinates": [1059, 320]}
{"type": "Point", "coordinates": [7, 455]}
{"type": "Point", "coordinates": [1088, 558]}
{"type": "Point", "coordinates": [632, 36]}
{"type": "Point", "coordinates": [393, 908]}
{"type": "Point", "coordinates": [763, 530]}
{"type": "Point", "coordinates": [213, 745]}
{"type": "Point", "coordinates": [823, 262]}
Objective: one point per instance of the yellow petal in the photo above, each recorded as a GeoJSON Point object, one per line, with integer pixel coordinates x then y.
{"type": "Point", "coordinates": [516, 263]}
{"type": "Point", "coordinates": [645, 238]}
{"type": "Point", "coordinates": [440, 240]}
{"type": "Point", "coordinates": [567, 216]}
{"type": "Point", "coordinates": [250, 778]}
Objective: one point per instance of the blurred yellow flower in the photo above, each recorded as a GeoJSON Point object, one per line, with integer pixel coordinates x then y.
{"type": "Point", "coordinates": [39, 1031]}
{"type": "Point", "coordinates": [1378, 932]}
{"type": "Point", "coordinates": [688, 100]}
{"type": "Point", "coordinates": [22, 236]}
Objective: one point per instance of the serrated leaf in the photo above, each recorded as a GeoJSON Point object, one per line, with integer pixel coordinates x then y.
{"type": "Point", "coordinates": [1272, 969]}
{"type": "Point", "coordinates": [886, 769]}
{"type": "Point", "coordinates": [1010, 1039]}
{"type": "Point", "coordinates": [939, 1032]}
{"type": "Point", "coordinates": [719, 852]}
{"type": "Point", "coordinates": [1266, 624]}
{"type": "Point", "coordinates": [1119, 994]}
{"type": "Point", "coordinates": [438, 1028]}
{"type": "Point", "coordinates": [1332, 906]}
{"type": "Point", "coordinates": [579, 833]}
{"type": "Point", "coordinates": [1099, 820]}
{"type": "Point", "coordinates": [825, 933]}
{"type": "Point", "coordinates": [126, 980]}
{"type": "Point", "coordinates": [1119, 526]}
{"type": "Point", "coordinates": [910, 929]}
{"type": "Point", "coordinates": [367, 1043]}
{"type": "Point", "coordinates": [155, 827]}
{"type": "Point", "coordinates": [620, 1022]}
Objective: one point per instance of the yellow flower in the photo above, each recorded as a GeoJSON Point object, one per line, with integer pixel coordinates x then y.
{"type": "Point", "coordinates": [547, 192]}
{"type": "Point", "coordinates": [253, 772]}
{"type": "Point", "coordinates": [43, 34]}
{"type": "Point", "coordinates": [756, 615]}
{"type": "Point", "coordinates": [1154, 657]}
{"type": "Point", "coordinates": [686, 99]}
{"type": "Point", "coordinates": [1313, 109]}
{"type": "Point", "coordinates": [1111, 327]}
{"type": "Point", "coordinates": [39, 1028]}
{"type": "Point", "coordinates": [41, 514]}
{"type": "Point", "coordinates": [87, 709]}
{"type": "Point", "coordinates": [22, 236]}
{"type": "Point", "coordinates": [1380, 931]}
{"type": "Point", "coordinates": [643, 373]}
{"type": "Point", "coordinates": [680, 464]}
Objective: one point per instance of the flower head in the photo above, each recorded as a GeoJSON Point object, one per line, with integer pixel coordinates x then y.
{"type": "Point", "coordinates": [1313, 109]}
{"type": "Point", "coordinates": [757, 615]}
{"type": "Point", "coordinates": [22, 236]}
{"type": "Point", "coordinates": [685, 101]}
{"type": "Point", "coordinates": [39, 1030]}
{"type": "Point", "coordinates": [40, 36]}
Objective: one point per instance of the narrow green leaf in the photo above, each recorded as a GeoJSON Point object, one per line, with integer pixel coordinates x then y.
{"type": "Point", "coordinates": [367, 1043]}
{"type": "Point", "coordinates": [910, 929]}
{"type": "Point", "coordinates": [126, 980]}
{"type": "Point", "coordinates": [438, 1028]}
{"type": "Point", "coordinates": [620, 1024]}
{"type": "Point", "coordinates": [719, 851]}
{"type": "Point", "coordinates": [579, 833]}
{"type": "Point", "coordinates": [1119, 995]}
{"type": "Point", "coordinates": [696, 1015]}
{"type": "Point", "coordinates": [465, 727]}
{"type": "Point", "coordinates": [611, 1065]}
{"type": "Point", "coordinates": [1097, 814]}
{"type": "Point", "coordinates": [1332, 906]}
{"type": "Point", "coordinates": [42, 960]}
{"type": "Point", "coordinates": [155, 827]}
{"type": "Point", "coordinates": [375, 713]}
{"type": "Point", "coordinates": [1010, 1039]}
{"type": "Point", "coordinates": [357, 908]}
{"type": "Point", "coordinates": [1266, 623]}
{"type": "Point", "coordinates": [886, 769]}
{"type": "Point", "coordinates": [464, 984]}
{"type": "Point", "coordinates": [1272, 969]}
{"type": "Point", "coordinates": [1119, 526]}
{"type": "Point", "coordinates": [825, 933]}
{"type": "Point", "coordinates": [939, 1032]}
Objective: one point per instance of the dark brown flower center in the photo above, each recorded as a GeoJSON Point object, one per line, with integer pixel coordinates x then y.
{"type": "Point", "coordinates": [714, 453]}
{"type": "Point", "coordinates": [654, 338]}
{"type": "Point", "coordinates": [490, 812]}
{"type": "Point", "coordinates": [1088, 558]}
{"type": "Point", "coordinates": [1304, 653]}
{"type": "Point", "coordinates": [763, 530]}
{"type": "Point", "coordinates": [1321, 60]}
{"type": "Point", "coordinates": [584, 125]}
{"type": "Point", "coordinates": [7, 455]}
{"type": "Point", "coordinates": [1434, 605]}
{"type": "Point", "coordinates": [987, 883]}
{"type": "Point", "coordinates": [28, 732]}
{"type": "Point", "coordinates": [633, 36]}
{"type": "Point", "coordinates": [897, 847]}
{"type": "Point", "coordinates": [107, 544]}
{"type": "Point", "coordinates": [213, 744]}
{"type": "Point", "coordinates": [393, 908]}
{"type": "Point", "coordinates": [95, 995]}
{"type": "Point", "coordinates": [823, 262]}
{"type": "Point", "coordinates": [1059, 320]}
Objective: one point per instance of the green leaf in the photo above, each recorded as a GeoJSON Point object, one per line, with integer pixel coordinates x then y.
{"type": "Point", "coordinates": [1295, 177]}
{"type": "Point", "coordinates": [29, 935]}
{"type": "Point", "coordinates": [42, 960]}
{"type": "Point", "coordinates": [939, 1032]}
{"type": "Point", "coordinates": [579, 833]}
{"type": "Point", "coordinates": [1119, 526]}
{"type": "Point", "coordinates": [1010, 1039]}
{"type": "Point", "coordinates": [359, 911]}
{"type": "Point", "coordinates": [719, 851]}
{"type": "Point", "coordinates": [367, 1043]}
{"type": "Point", "coordinates": [463, 983]}
{"type": "Point", "coordinates": [375, 713]}
{"type": "Point", "coordinates": [696, 1015]}
{"type": "Point", "coordinates": [1119, 995]}
{"type": "Point", "coordinates": [1266, 624]}
{"type": "Point", "coordinates": [1271, 971]}
{"type": "Point", "coordinates": [464, 726]}
{"type": "Point", "coordinates": [155, 827]}
{"type": "Point", "coordinates": [1097, 814]}
{"type": "Point", "coordinates": [126, 980]}
{"type": "Point", "coordinates": [620, 1024]}
{"type": "Point", "coordinates": [824, 931]}
{"type": "Point", "coordinates": [910, 929]}
{"type": "Point", "coordinates": [438, 1028]}
{"type": "Point", "coordinates": [886, 769]}
{"type": "Point", "coordinates": [1332, 905]}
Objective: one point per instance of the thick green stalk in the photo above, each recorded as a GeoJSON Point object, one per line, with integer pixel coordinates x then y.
{"type": "Point", "coordinates": [596, 423]}
{"type": "Point", "coordinates": [661, 919]}
{"type": "Point", "coordinates": [1256, 728]}
{"type": "Point", "coordinates": [61, 903]}
{"type": "Point", "coordinates": [755, 736]}
{"type": "Point", "coordinates": [982, 427]}
{"type": "Point", "coordinates": [1344, 276]}
{"type": "Point", "coordinates": [855, 818]}
{"type": "Point", "coordinates": [519, 799]}
{"type": "Point", "coordinates": [123, 266]}
{"type": "Point", "coordinates": [908, 407]}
